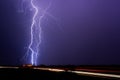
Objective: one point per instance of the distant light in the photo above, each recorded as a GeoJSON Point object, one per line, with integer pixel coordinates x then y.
{"type": "Point", "coordinates": [27, 65]}
{"type": "Point", "coordinates": [96, 74]}
{"type": "Point", "coordinates": [57, 70]}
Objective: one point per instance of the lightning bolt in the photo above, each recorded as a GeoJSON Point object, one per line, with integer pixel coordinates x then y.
{"type": "Point", "coordinates": [33, 52]}
{"type": "Point", "coordinates": [35, 29]}
{"type": "Point", "coordinates": [33, 49]}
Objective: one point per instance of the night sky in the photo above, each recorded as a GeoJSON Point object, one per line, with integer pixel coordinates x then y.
{"type": "Point", "coordinates": [78, 32]}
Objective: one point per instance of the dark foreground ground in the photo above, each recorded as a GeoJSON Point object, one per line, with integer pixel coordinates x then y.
{"type": "Point", "coordinates": [32, 74]}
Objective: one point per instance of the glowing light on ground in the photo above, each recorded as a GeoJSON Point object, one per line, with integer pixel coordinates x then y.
{"type": "Point", "coordinates": [96, 74]}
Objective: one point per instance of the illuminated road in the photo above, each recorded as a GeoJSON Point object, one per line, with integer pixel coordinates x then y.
{"type": "Point", "coordinates": [83, 73]}
{"type": "Point", "coordinates": [9, 67]}
{"type": "Point", "coordinates": [94, 74]}
{"type": "Point", "coordinates": [51, 69]}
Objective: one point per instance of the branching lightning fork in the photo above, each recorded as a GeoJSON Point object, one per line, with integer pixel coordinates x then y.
{"type": "Point", "coordinates": [35, 28]}
{"type": "Point", "coordinates": [33, 52]}
{"type": "Point", "coordinates": [33, 48]}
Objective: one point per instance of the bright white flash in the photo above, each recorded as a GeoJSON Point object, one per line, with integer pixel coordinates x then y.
{"type": "Point", "coordinates": [34, 53]}
{"type": "Point", "coordinates": [35, 30]}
